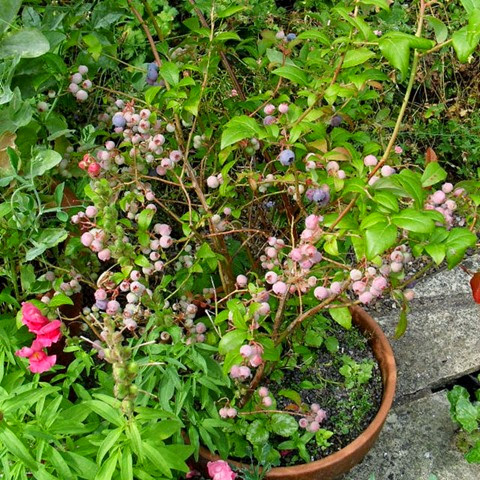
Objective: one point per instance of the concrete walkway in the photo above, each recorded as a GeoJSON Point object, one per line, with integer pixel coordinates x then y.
{"type": "Point", "coordinates": [442, 343]}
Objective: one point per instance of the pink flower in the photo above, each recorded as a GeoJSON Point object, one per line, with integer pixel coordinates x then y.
{"type": "Point", "coordinates": [39, 361]}
{"type": "Point", "coordinates": [220, 470]}
{"type": "Point", "coordinates": [49, 334]}
{"type": "Point", "coordinates": [33, 318]}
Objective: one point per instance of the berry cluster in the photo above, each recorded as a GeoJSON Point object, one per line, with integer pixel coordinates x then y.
{"type": "Point", "coordinates": [79, 85]}
{"type": "Point", "coordinates": [443, 201]}
{"type": "Point", "coordinates": [311, 422]}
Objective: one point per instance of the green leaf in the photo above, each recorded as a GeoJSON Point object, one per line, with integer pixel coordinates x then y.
{"type": "Point", "coordinates": [342, 316]}
{"type": "Point", "coordinates": [466, 39]}
{"type": "Point", "coordinates": [224, 36]}
{"type": "Point", "coordinates": [13, 444]}
{"type": "Point", "coordinates": [108, 468]}
{"type": "Point", "coordinates": [473, 456]}
{"type": "Point", "coordinates": [433, 174]}
{"type": "Point", "coordinates": [108, 443]}
{"type": "Point", "coordinates": [397, 52]}
{"type": "Point", "coordinates": [8, 12]}
{"type": "Point", "coordinates": [283, 424]}
{"type": "Point", "coordinates": [440, 29]}
{"type": "Point", "coordinates": [437, 251]}
{"type": "Point", "coordinates": [193, 101]}
{"type": "Point", "coordinates": [231, 341]}
{"type": "Point", "coordinates": [228, 12]}
{"type": "Point", "coordinates": [292, 73]}
{"type": "Point", "coordinates": [145, 218]}
{"type": "Point", "coordinates": [292, 395]}
{"type": "Point", "coordinates": [170, 73]}
{"type": "Point", "coordinates": [357, 57]}
{"type": "Point", "coordinates": [59, 463]}
{"type": "Point", "coordinates": [383, 4]}
{"type": "Point", "coordinates": [257, 434]}
{"type": "Point", "coordinates": [151, 93]}
{"type": "Point", "coordinates": [411, 183]}
{"type": "Point", "coordinates": [43, 161]}
{"type": "Point", "coordinates": [60, 299]}
{"type": "Point", "coordinates": [387, 200]}
{"type": "Point", "coordinates": [26, 43]}
{"type": "Point", "coordinates": [470, 5]}
{"type": "Point", "coordinates": [413, 221]}
{"type": "Point", "coordinates": [379, 238]}
{"type": "Point", "coordinates": [466, 414]}
{"type": "Point", "coordinates": [402, 324]}
{"type": "Point", "coordinates": [314, 35]}
{"type": "Point", "coordinates": [237, 129]}
{"type": "Point", "coordinates": [126, 464]}
{"type": "Point", "coordinates": [458, 241]}
{"type": "Point", "coordinates": [157, 459]}
{"type": "Point", "coordinates": [106, 411]}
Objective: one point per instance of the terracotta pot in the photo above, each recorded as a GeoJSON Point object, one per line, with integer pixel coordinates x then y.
{"type": "Point", "coordinates": [334, 465]}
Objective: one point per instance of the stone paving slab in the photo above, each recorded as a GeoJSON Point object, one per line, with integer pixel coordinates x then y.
{"type": "Point", "coordinates": [417, 441]}
{"type": "Point", "coordinates": [442, 343]}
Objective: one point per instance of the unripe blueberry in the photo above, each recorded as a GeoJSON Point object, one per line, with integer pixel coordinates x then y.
{"type": "Point", "coordinates": [73, 88]}
{"type": "Point", "coordinates": [100, 294]}
{"type": "Point", "coordinates": [269, 109]}
{"type": "Point", "coordinates": [82, 69]}
{"type": "Point", "coordinates": [87, 84]}
{"type": "Point", "coordinates": [223, 412]}
{"type": "Point", "coordinates": [438, 197]}
{"type": "Point", "coordinates": [200, 327]}
{"type": "Point", "coordinates": [271, 277]}
{"type": "Point", "coordinates": [280, 288]}
{"type": "Point", "coordinates": [332, 167]}
{"type": "Point", "coordinates": [213, 182]}
{"type": "Point", "coordinates": [303, 423]}
{"type": "Point", "coordinates": [42, 106]}
{"type": "Point", "coordinates": [379, 283]}
{"type": "Point", "coordinates": [370, 161]}
{"type": "Point", "coordinates": [104, 255]}
{"type": "Point", "coordinates": [283, 108]}
{"type": "Point", "coordinates": [263, 391]}
{"type": "Point", "coordinates": [94, 169]}
{"type": "Point", "coordinates": [365, 298]}
{"type": "Point", "coordinates": [81, 95]}
{"type": "Point", "coordinates": [232, 412]}
{"type": "Point", "coordinates": [267, 401]}
{"type": "Point", "coordinates": [135, 275]}
{"type": "Point", "coordinates": [336, 288]}
{"type": "Point", "coordinates": [166, 242]}
{"type": "Point", "coordinates": [245, 372]}
{"type": "Point", "coordinates": [409, 295]}
{"type": "Point", "coordinates": [321, 293]}
{"type": "Point", "coordinates": [256, 361]}
{"type": "Point", "coordinates": [91, 211]}
{"type": "Point", "coordinates": [242, 281]}
{"type": "Point", "coordinates": [76, 78]}
{"type": "Point", "coordinates": [356, 274]}
{"type": "Point", "coordinates": [280, 35]}
{"type": "Point", "coordinates": [447, 187]}
{"type": "Point", "coordinates": [87, 239]}
{"type": "Point", "coordinates": [387, 170]}
{"type": "Point", "coordinates": [396, 267]}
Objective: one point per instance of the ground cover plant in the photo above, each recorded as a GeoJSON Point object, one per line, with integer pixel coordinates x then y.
{"type": "Point", "coordinates": [191, 202]}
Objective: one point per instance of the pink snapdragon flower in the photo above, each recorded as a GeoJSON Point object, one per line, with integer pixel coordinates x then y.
{"type": "Point", "coordinates": [220, 470]}
{"type": "Point", "coordinates": [33, 318]}
{"type": "Point", "coordinates": [49, 334]}
{"type": "Point", "coordinates": [39, 361]}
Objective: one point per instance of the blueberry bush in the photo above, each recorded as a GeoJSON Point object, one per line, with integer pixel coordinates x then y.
{"type": "Point", "coordinates": [192, 195]}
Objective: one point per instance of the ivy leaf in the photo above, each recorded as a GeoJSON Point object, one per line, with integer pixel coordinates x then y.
{"type": "Point", "coordinates": [283, 424]}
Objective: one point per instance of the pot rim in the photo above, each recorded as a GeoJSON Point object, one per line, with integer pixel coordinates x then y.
{"type": "Point", "coordinates": [386, 361]}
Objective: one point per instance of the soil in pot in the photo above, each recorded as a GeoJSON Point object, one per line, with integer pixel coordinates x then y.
{"type": "Point", "coordinates": [351, 399]}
